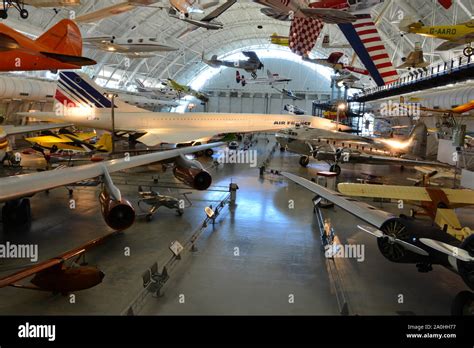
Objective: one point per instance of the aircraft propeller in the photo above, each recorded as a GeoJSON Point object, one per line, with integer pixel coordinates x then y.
{"type": "Point", "coordinates": [448, 249]}
{"type": "Point", "coordinates": [379, 234]}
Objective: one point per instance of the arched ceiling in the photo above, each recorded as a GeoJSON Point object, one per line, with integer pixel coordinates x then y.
{"type": "Point", "coordinates": [240, 31]}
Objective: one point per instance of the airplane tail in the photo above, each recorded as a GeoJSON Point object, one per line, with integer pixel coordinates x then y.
{"type": "Point", "coordinates": [335, 57]}
{"type": "Point", "coordinates": [418, 141]}
{"type": "Point", "coordinates": [75, 91]}
{"type": "Point", "coordinates": [64, 38]}
{"type": "Point", "coordinates": [105, 143]}
{"type": "Point", "coordinates": [408, 22]}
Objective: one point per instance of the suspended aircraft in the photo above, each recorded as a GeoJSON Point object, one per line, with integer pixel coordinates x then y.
{"type": "Point", "coordinates": [251, 65]}
{"type": "Point", "coordinates": [58, 48]}
{"type": "Point", "coordinates": [130, 47]}
{"type": "Point", "coordinates": [183, 7]}
{"type": "Point", "coordinates": [333, 62]}
{"type": "Point", "coordinates": [207, 22]}
{"type": "Point", "coordinates": [271, 79]}
{"type": "Point", "coordinates": [186, 90]}
{"type": "Point", "coordinates": [455, 35]}
{"type": "Point", "coordinates": [19, 5]}
{"type": "Point", "coordinates": [415, 59]}
{"type": "Point", "coordinates": [164, 92]}
{"type": "Point", "coordinates": [307, 20]}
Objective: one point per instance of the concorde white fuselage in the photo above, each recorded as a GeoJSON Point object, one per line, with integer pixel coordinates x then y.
{"type": "Point", "coordinates": [180, 122]}
{"type": "Point", "coordinates": [179, 125]}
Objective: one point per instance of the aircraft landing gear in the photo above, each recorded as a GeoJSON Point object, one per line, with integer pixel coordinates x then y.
{"type": "Point", "coordinates": [17, 4]}
{"type": "Point", "coordinates": [463, 304]}
{"type": "Point", "coordinates": [304, 161]}
{"type": "Point", "coordinates": [16, 213]}
{"type": "Point", "coordinates": [335, 168]}
{"type": "Point", "coordinates": [468, 51]}
{"type": "Point", "coordinates": [24, 14]}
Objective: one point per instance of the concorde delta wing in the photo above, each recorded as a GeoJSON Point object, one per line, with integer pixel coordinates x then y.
{"type": "Point", "coordinates": [19, 186]}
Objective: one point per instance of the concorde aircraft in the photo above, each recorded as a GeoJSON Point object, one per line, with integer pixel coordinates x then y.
{"type": "Point", "coordinates": [81, 102]}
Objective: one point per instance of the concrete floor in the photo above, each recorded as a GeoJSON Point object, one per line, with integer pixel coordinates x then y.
{"type": "Point", "coordinates": [280, 256]}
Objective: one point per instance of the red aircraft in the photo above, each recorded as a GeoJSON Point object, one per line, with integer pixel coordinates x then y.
{"type": "Point", "coordinates": [59, 48]}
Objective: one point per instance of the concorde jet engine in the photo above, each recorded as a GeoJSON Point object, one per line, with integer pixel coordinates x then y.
{"type": "Point", "coordinates": [118, 212]}
{"type": "Point", "coordinates": [192, 173]}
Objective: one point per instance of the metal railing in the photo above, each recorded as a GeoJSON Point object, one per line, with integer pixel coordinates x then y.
{"type": "Point", "coordinates": [432, 71]}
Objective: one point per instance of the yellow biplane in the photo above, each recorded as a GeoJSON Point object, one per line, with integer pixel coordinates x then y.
{"type": "Point", "coordinates": [280, 40]}
{"type": "Point", "coordinates": [454, 35]}
{"type": "Point", "coordinates": [438, 203]}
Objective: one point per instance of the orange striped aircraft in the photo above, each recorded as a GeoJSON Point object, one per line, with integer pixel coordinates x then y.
{"type": "Point", "coordinates": [58, 48]}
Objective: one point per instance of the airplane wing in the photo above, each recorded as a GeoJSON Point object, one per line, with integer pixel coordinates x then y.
{"type": "Point", "coordinates": [51, 139]}
{"type": "Point", "coordinates": [52, 3]}
{"type": "Point", "coordinates": [408, 193]}
{"type": "Point", "coordinates": [252, 56]}
{"type": "Point", "coordinates": [364, 38]}
{"type": "Point", "coordinates": [113, 10]}
{"type": "Point", "coordinates": [449, 45]}
{"type": "Point", "coordinates": [156, 136]}
{"type": "Point", "coordinates": [15, 187]}
{"type": "Point", "coordinates": [361, 210]}
{"type": "Point", "coordinates": [328, 15]}
{"type": "Point", "coordinates": [218, 11]}
{"type": "Point", "coordinates": [54, 262]}
{"type": "Point", "coordinates": [14, 130]}
{"type": "Point", "coordinates": [355, 157]}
